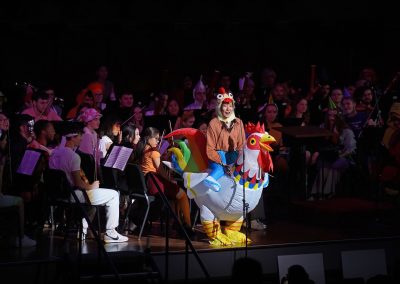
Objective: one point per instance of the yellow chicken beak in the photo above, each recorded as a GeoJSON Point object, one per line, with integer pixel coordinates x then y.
{"type": "Point", "coordinates": [265, 142]}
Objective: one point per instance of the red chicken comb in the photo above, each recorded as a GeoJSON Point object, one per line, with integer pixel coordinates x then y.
{"type": "Point", "coordinates": [251, 128]}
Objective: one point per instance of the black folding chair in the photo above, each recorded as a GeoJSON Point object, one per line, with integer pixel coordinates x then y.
{"type": "Point", "coordinates": [137, 190]}
{"type": "Point", "coordinates": [59, 192]}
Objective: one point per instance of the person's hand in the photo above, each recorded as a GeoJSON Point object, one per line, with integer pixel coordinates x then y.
{"type": "Point", "coordinates": [227, 170]}
{"type": "Point", "coordinates": [119, 137]}
{"type": "Point", "coordinates": [95, 184]}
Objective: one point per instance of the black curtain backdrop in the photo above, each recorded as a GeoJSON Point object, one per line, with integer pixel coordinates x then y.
{"type": "Point", "coordinates": [63, 43]}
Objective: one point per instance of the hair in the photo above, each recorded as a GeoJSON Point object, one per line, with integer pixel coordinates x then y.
{"type": "Point", "coordinates": [148, 133]}
{"type": "Point", "coordinates": [246, 268]}
{"type": "Point", "coordinates": [128, 131]}
{"type": "Point", "coordinates": [297, 274]}
{"type": "Point", "coordinates": [339, 123]}
{"type": "Point", "coordinates": [40, 95]}
{"type": "Point", "coordinates": [200, 122]}
{"type": "Point", "coordinates": [72, 127]}
{"type": "Point", "coordinates": [40, 125]}
{"type": "Point", "coordinates": [107, 125]}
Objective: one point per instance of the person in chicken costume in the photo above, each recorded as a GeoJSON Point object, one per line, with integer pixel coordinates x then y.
{"type": "Point", "coordinates": [222, 198]}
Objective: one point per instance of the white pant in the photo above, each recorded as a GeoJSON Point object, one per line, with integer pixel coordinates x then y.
{"type": "Point", "coordinates": [106, 196]}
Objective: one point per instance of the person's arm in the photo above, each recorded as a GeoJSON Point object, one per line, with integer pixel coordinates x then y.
{"type": "Point", "coordinates": [156, 160]}
{"type": "Point", "coordinates": [349, 143]}
{"type": "Point", "coordinates": [211, 145]}
{"type": "Point", "coordinates": [78, 182]}
{"type": "Point", "coordinates": [241, 137]}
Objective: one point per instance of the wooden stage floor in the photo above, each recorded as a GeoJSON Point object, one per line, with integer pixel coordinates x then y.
{"type": "Point", "coordinates": [283, 234]}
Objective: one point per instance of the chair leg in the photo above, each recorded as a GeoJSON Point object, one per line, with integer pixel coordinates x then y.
{"type": "Point", "coordinates": [126, 219]}
{"type": "Point", "coordinates": [53, 226]}
{"type": "Point", "coordinates": [144, 219]}
{"type": "Point", "coordinates": [195, 218]}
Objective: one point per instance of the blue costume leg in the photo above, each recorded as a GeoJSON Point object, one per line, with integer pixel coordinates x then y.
{"type": "Point", "coordinates": [217, 171]}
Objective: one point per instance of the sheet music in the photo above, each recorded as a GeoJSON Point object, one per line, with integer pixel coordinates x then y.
{"type": "Point", "coordinates": [164, 146]}
{"type": "Point", "coordinates": [118, 157]}
{"type": "Point", "coordinates": [28, 162]}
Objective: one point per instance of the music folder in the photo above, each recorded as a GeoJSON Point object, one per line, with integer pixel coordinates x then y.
{"type": "Point", "coordinates": [29, 162]}
{"type": "Point", "coordinates": [118, 158]}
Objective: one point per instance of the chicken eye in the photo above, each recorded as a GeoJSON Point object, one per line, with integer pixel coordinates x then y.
{"type": "Point", "coordinates": [220, 96]}
{"type": "Point", "coordinates": [252, 141]}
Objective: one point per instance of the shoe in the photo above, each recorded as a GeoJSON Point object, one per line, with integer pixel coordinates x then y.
{"type": "Point", "coordinates": [212, 183]}
{"type": "Point", "coordinates": [257, 225]}
{"type": "Point", "coordinates": [25, 242]}
{"type": "Point", "coordinates": [112, 236]}
{"type": "Point", "coordinates": [84, 234]}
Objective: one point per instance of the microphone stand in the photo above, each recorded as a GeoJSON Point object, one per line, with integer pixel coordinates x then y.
{"type": "Point", "coordinates": [245, 204]}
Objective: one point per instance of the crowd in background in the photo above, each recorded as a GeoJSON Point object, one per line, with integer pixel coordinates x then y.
{"type": "Point", "coordinates": [363, 118]}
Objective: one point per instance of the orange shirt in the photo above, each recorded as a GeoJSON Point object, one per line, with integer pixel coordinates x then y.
{"type": "Point", "coordinates": [148, 164]}
{"type": "Point", "coordinates": [220, 138]}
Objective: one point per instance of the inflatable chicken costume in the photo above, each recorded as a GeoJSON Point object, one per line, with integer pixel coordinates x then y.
{"type": "Point", "coordinates": [250, 170]}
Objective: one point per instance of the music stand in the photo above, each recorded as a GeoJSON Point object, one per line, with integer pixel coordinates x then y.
{"type": "Point", "coordinates": [298, 137]}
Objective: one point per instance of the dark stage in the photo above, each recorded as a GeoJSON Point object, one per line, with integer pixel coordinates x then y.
{"type": "Point", "coordinates": [308, 228]}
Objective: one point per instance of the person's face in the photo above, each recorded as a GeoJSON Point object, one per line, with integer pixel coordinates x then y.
{"type": "Point", "coordinates": [278, 93]}
{"type": "Point", "coordinates": [77, 140]}
{"type": "Point", "coordinates": [153, 141]}
{"type": "Point", "coordinates": [367, 97]}
{"type": "Point", "coordinates": [226, 82]}
{"type": "Point", "coordinates": [332, 113]}
{"type": "Point", "coordinates": [173, 108]}
{"type": "Point", "coordinates": [395, 120]}
{"type": "Point", "coordinates": [200, 96]}
{"type": "Point", "coordinates": [41, 105]}
{"type": "Point", "coordinates": [138, 115]}
{"type": "Point", "coordinates": [188, 122]}
{"type": "Point", "coordinates": [98, 97]}
{"type": "Point", "coordinates": [348, 106]}
{"type": "Point", "coordinates": [4, 122]}
{"type": "Point", "coordinates": [136, 137]}
{"type": "Point", "coordinates": [50, 132]}
{"type": "Point", "coordinates": [270, 113]}
{"type": "Point", "coordinates": [325, 89]}
{"type": "Point", "coordinates": [116, 128]}
{"type": "Point", "coordinates": [126, 101]}
{"type": "Point", "coordinates": [268, 80]}
{"type": "Point", "coordinates": [368, 74]}
{"type": "Point", "coordinates": [51, 94]}
{"type": "Point", "coordinates": [187, 83]}
{"type": "Point", "coordinates": [102, 73]}
{"type": "Point", "coordinates": [302, 106]}
{"type": "Point", "coordinates": [226, 109]}
{"type": "Point", "coordinates": [249, 88]}
{"type": "Point", "coordinates": [88, 100]}
{"type": "Point", "coordinates": [203, 128]}
{"type": "Point", "coordinates": [212, 104]}
{"type": "Point", "coordinates": [337, 96]}
{"type": "Point", "coordinates": [94, 124]}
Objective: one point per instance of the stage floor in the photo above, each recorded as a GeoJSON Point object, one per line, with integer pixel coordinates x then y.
{"type": "Point", "coordinates": [278, 233]}
{"type": "Point", "coordinates": [290, 235]}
